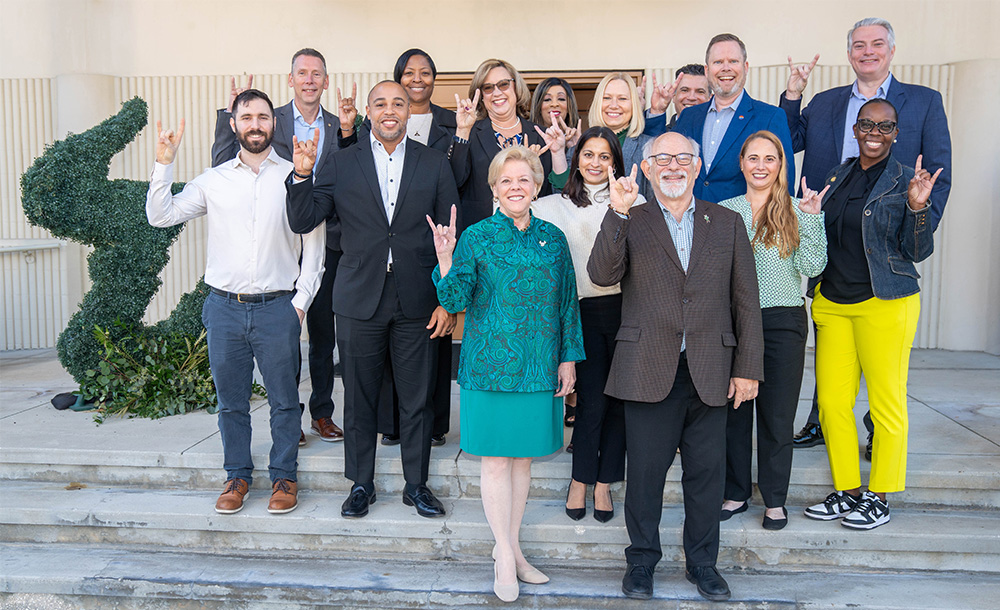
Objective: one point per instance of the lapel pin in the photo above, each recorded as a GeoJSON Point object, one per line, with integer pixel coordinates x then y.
{"type": "Point", "coordinates": [707, 219]}
{"type": "Point", "coordinates": [833, 178]}
{"type": "Point", "coordinates": [542, 243]}
{"type": "Point", "coordinates": [741, 117]}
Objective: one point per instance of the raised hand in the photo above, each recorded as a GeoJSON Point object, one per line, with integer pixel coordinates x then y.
{"type": "Point", "coordinates": [624, 191]}
{"type": "Point", "coordinates": [167, 143]}
{"type": "Point", "coordinates": [465, 114]}
{"type": "Point", "coordinates": [347, 109]}
{"type": "Point", "coordinates": [811, 202]}
{"type": "Point", "coordinates": [304, 154]}
{"type": "Point", "coordinates": [798, 78]}
{"type": "Point", "coordinates": [662, 95]}
{"type": "Point", "coordinates": [920, 186]}
{"type": "Point", "coordinates": [444, 237]}
{"type": "Point", "coordinates": [572, 133]}
{"type": "Point", "coordinates": [234, 91]}
{"type": "Point", "coordinates": [554, 137]}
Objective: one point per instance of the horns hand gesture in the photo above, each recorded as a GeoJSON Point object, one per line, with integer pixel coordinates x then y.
{"type": "Point", "coordinates": [167, 143]}
{"type": "Point", "coordinates": [921, 185]}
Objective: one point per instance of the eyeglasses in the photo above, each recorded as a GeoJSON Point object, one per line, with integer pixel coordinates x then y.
{"type": "Point", "coordinates": [885, 127]}
{"type": "Point", "coordinates": [502, 85]}
{"type": "Point", "coordinates": [664, 159]}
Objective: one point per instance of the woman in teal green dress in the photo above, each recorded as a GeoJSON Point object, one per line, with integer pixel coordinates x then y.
{"type": "Point", "coordinates": [513, 275]}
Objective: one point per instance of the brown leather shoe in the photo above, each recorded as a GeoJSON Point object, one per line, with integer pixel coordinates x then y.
{"type": "Point", "coordinates": [283, 497]}
{"type": "Point", "coordinates": [231, 500]}
{"type": "Point", "coordinates": [326, 430]}
{"type": "Point", "coordinates": [302, 438]}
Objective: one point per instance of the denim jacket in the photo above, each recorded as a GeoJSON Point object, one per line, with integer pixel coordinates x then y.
{"type": "Point", "coordinates": [895, 236]}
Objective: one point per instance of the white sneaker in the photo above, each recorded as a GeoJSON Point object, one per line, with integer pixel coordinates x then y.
{"type": "Point", "coordinates": [835, 506]}
{"type": "Point", "coordinates": [870, 513]}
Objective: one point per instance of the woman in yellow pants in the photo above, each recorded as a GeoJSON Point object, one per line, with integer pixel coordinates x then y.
{"type": "Point", "coordinates": [865, 309]}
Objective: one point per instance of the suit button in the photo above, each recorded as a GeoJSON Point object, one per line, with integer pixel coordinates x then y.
{"type": "Point", "coordinates": [706, 183]}
{"type": "Point", "coordinates": [685, 301]}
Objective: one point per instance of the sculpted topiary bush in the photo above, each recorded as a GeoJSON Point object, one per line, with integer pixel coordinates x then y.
{"type": "Point", "coordinates": [67, 191]}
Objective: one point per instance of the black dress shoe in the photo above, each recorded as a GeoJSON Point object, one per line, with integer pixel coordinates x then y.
{"type": "Point", "coordinates": [726, 515]}
{"type": "Point", "coordinates": [809, 436]}
{"type": "Point", "coordinates": [638, 582]}
{"type": "Point", "coordinates": [868, 449]}
{"type": "Point", "coordinates": [356, 504]}
{"type": "Point", "coordinates": [390, 439]}
{"type": "Point", "coordinates": [775, 524]}
{"type": "Point", "coordinates": [603, 515]}
{"type": "Point", "coordinates": [575, 513]}
{"type": "Point", "coordinates": [437, 440]}
{"type": "Point", "coordinates": [710, 583]}
{"type": "Point", "coordinates": [424, 501]}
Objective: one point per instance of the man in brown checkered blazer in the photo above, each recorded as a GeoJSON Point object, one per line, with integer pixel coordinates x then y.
{"type": "Point", "coordinates": [690, 340]}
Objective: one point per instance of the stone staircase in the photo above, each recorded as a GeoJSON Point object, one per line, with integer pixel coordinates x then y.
{"type": "Point", "coordinates": [121, 516]}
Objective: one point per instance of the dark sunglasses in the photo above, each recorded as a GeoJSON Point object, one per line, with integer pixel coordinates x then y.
{"type": "Point", "coordinates": [885, 127]}
{"type": "Point", "coordinates": [664, 159]}
{"type": "Point", "coordinates": [502, 85]}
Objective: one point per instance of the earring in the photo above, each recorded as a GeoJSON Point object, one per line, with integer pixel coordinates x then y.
{"type": "Point", "coordinates": [894, 141]}
{"type": "Point", "coordinates": [496, 200]}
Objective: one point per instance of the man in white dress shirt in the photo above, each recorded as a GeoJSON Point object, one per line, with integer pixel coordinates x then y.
{"type": "Point", "coordinates": [260, 290]}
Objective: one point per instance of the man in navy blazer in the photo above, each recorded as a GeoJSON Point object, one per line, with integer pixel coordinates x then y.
{"type": "Point", "coordinates": [308, 79]}
{"type": "Point", "coordinates": [824, 131]}
{"type": "Point", "coordinates": [721, 125]}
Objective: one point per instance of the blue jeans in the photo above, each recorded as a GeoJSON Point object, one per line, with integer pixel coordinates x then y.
{"type": "Point", "coordinates": [238, 333]}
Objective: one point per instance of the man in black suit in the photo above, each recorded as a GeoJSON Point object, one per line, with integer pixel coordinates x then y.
{"type": "Point", "coordinates": [301, 116]}
{"type": "Point", "coordinates": [382, 191]}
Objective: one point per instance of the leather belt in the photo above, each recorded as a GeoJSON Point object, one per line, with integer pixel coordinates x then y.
{"type": "Point", "coordinates": [243, 297]}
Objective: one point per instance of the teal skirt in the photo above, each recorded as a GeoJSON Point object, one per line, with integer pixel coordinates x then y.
{"type": "Point", "coordinates": [510, 424]}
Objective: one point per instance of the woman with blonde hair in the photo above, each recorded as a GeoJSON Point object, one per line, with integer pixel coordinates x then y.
{"type": "Point", "coordinates": [618, 106]}
{"type": "Point", "coordinates": [788, 238]}
{"type": "Point", "coordinates": [492, 118]}
{"type": "Point", "coordinates": [513, 274]}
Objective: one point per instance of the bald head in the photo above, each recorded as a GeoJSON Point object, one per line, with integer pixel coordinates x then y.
{"type": "Point", "coordinates": [388, 108]}
{"type": "Point", "coordinates": [671, 164]}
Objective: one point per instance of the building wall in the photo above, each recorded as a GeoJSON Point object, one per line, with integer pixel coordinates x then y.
{"type": "Point", "coordinates": [66, 65]}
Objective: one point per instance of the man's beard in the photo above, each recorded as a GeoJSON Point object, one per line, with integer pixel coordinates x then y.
{"type": "Point", "coordinates": [251, 147]}
{"type": "Point", "coordinates": [672, 189]}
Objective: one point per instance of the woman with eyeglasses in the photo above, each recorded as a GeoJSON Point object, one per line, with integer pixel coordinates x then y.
{"type": "Point", "coordinates": [618, 106]}
{"type": "Point", "coordinates": [788, 240]}
{"type": "Point", "coordinates": [599, 430]}
{"type": "Point", "coordinates": [865, 308]}
{"type": "Point", "coordinates": [492, 118]}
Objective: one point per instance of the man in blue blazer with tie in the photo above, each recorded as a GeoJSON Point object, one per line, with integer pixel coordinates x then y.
{"type": "Point", "coordinates": [825, 131]}
{"type": "Point", "coordinates": [721, 125]}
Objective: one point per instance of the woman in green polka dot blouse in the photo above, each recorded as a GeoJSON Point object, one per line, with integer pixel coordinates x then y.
{"type": "Point", "coordinates": [789, 241]}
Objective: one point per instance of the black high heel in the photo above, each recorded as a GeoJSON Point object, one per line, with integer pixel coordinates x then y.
{"type": "Point", "coordinates": [575, 513]}
{"type": "Point", "coordinates": [603, 515]}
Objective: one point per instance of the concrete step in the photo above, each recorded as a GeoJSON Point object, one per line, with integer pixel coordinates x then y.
{"type": "Point", "coordinates": [933, 481]}
{"type": "Point", "coordinates": [915, 539]}
{"type": "Point", "coordinates": [65, 577]}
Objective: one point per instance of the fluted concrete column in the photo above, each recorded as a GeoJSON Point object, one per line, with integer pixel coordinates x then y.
{"type": "Point", "coordinates": [81, 101]}
{"type": "Point", "coordinates": [970, 299]}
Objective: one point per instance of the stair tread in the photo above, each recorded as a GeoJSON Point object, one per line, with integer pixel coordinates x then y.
{"type": "Point", "coordinates": [260, 581]}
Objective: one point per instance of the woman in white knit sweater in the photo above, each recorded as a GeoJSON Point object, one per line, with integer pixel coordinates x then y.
{"type": "Point", "coordinates": [599, 431]}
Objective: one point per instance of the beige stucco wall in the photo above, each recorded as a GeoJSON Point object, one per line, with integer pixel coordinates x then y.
{"type": "Point", "coordinates": [186, 37]}
{"type": "Point", "coordinates": [84, 49]}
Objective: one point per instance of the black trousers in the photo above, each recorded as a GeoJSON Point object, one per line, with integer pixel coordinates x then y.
{"type": "Point", "coordinates": [440, 403]}
{"type": "Point", "coordinates": [653, 432]}
{"type": "Point", "coordinates": [599, 430]}
{"type": "Point", "coordinates": [322, 338]}
{"type": "Point", "coordinates": [364, 345]}
{"type": "Point", "coordinates": [785, 333]}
